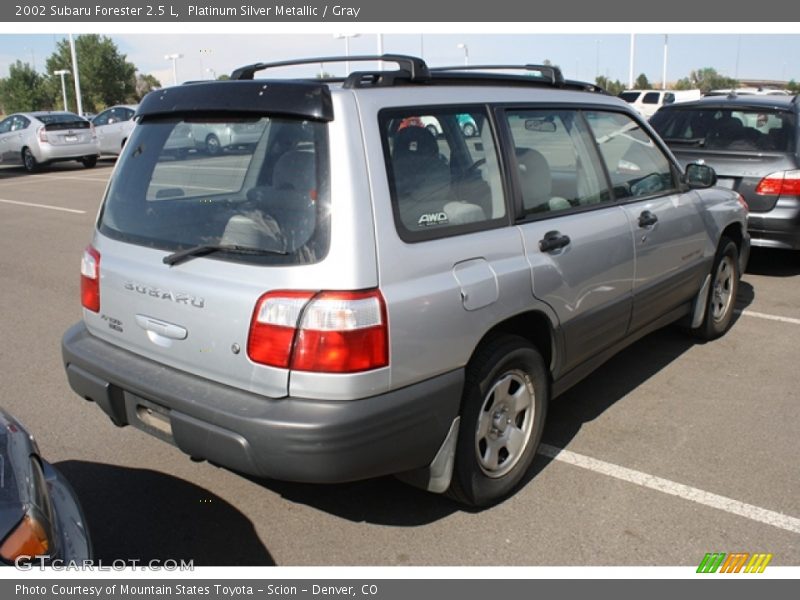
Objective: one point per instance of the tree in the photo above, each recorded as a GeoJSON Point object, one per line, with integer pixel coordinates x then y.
{"type": "Point", "coordinates": [642, 83]}
{"type": "Point", "coordinates": [25, 90]}
{"type": "Point", "coordinates": [793, 86]}
{"type": "Point", "coordinates": [706, 79]}
{"type": "Point", "coordinates": [144, 85]}
{"type": "Point", "coordinates": [106, 77]}
{"type": "Point", "coordinates": [612, 87]}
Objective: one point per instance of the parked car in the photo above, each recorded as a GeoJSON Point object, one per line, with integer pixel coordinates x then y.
{"type": "Point", "coordinates": [113, 127]}
{"type": "Point", "coordinates": [40, 516]}
{"type": "Point", "coordinates": [38, 138]}
{"type": "Point", "coordinates": [465, 121]}
{"type": "Point", "coordinates": [351, 297]}
{"type": "Point", "coordinates": [749, 91]}
{"type": "Point", "coordinates": [647, 102]}
{"type": "Point", "coordinates": [214, 138]}
{"type": "Point", "coordinates": [751, 141]}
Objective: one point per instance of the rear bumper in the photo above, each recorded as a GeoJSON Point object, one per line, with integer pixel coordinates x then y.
{"type": "Point", "coordinates": [50, 153]}
{"type": "Point", "coordinates": [778, 228]}
{"type": "Point", "coordinates": [293, 439]}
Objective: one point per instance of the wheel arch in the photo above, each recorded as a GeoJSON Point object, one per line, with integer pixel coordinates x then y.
{"type": "Point", "coordinates": [535, 326]}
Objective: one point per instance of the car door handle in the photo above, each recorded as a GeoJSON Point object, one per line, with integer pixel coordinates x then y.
{"type": "Point", "coordinates": [647, 219]}
{"type": "Point", "coordinates": [553, 240]}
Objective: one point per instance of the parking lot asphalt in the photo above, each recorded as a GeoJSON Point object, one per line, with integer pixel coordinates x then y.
{"type": "Point", "coordinates": [670, 450]}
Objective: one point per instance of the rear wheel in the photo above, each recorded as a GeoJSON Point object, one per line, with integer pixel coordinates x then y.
{"type": "Point", "coordinates": [502, 419]}
{"type": "Point", "coordinates": [469, 129]}
{"type": "Point", "coordinates": [89, 161]}
{"type": "Point", "coordinates": [213, 147]}
{"type": "Point", "coordinates": [29, 161]}
{"type": "Point", "coordinates": [722, 295]}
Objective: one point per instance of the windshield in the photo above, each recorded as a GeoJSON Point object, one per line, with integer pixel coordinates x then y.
{"type": "Point", "coordinates": [735, 128]}
{"type": "Point", "coordinates": [255, 184]}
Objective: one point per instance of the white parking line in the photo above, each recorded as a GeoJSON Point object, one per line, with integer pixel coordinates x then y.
{"type": "Point", "coordinates": [729, 505]}
{"type": "Point", "coordinates": [47, 206]}
{"type": "Point", "coordinates": [750, 313]}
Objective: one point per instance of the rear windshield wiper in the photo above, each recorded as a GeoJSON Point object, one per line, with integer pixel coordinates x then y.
{"type": "Point", "coordinates": [204, 249]}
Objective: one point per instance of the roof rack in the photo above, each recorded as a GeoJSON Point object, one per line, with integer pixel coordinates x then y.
{"type": "Point", "coordinates": [411, 67]}
{"type": "Point", "coordinates": [554, 73]}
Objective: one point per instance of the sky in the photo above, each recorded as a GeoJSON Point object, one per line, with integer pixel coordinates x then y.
{"type": "Point", "coordinates": [580, 56]}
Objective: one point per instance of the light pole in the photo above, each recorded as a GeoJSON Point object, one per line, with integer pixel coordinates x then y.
{"type": "Point", "coordinates": [63, 72]}
{"type": "Point", "coordinates": [664, 70]}
{"type": "Point", "coordinates": [75, 75]}
{"type": "Point", "coordinates": [346, 37]}
{"type": "Point", "coordinates": [203, 52]}
{"type": "Point", "coordinates": [212, 71]}
{"type": "Point", "coordinates": [174, 58]}
{"type": "Point", "coordinates": [465, 48]}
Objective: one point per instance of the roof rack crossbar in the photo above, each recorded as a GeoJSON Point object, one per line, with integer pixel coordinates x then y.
{"type": "Point", "coordinates": [554, 73]}
{"type": "Point", "coordinates": [415, 67]}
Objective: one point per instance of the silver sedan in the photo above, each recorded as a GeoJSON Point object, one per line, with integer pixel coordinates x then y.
{"type": "Point", "coordinates": [37, 138]}
{"type": "Point", "coordinates": [113, 127]}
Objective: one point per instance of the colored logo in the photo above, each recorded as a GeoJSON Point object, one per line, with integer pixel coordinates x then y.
{"type": "Point", "coordinates": [738, 562]}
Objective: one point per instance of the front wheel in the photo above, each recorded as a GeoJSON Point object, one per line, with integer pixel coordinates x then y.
{"type": "Point", "coordinates": [502, 418]}
{"type": "Point", "coordinates": [722, 295]}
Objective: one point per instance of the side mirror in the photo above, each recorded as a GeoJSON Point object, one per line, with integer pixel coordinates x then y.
{"type": "Point", "coordinates": [699, 176]}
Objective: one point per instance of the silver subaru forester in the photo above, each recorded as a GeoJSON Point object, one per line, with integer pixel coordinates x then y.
{"type": "Point", "coordinates": [353, 295]}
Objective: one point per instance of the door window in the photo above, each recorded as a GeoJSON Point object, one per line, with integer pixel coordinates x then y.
{"type": "Point", "coordinates": [636, 166]}
{"type": "Point", "coordinates": [556, 165]}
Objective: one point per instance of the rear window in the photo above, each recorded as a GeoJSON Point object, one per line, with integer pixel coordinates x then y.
{"type": "Point", "coordinates": [728, 128]}
{"type": "Point", "coordinates": [258, 184]}
{"type": "Point", "coordinates": [651, 98]}
{"type": "Point", "coordinates": [63, 121]}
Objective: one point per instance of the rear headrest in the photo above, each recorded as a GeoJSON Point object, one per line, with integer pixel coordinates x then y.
{"type": "Point", "coordinates": [415, 141]}
{"type": "Point", "coordinates": [295, 170]}
{"type": "Point", "coordinates": [534, 177]}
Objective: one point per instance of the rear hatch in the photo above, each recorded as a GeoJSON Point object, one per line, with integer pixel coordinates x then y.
{"type": "Point", "coordinates": [188, 241]}
{"type": "Point", "coordinates": [744, 144]}
{"type": "Point", "coordinates": [67, 129]}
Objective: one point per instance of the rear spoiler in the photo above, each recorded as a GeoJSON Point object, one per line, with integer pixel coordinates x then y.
{"type": "Point", "coordinates": [308, 100]}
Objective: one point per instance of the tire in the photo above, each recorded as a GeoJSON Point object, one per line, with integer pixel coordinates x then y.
{"type": "Point", "coordinates": [89, 161]}
{"type": "Point", "coordinates": [213, 147]}
{"type": "Point", "coordinates": [29, 161]}
{"type": "Point", "coordinates": [725, 277]}
{"type": "Point", "coordinates": [469, 130]}
{"type": "Point", "coordinates": [503, 411]}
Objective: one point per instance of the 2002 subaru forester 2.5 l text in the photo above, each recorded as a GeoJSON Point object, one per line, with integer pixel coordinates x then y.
{"type": "Point", "coordinates": [351, 296]}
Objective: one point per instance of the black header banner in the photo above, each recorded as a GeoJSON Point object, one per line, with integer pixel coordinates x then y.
{"type": "Point", "coordinates": [366, 11]}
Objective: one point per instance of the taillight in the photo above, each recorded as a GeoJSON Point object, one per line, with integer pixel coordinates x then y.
{"type": "Point", "coordinates": [326, 332]}
{"type": "Point", "coordinates": [90, 279]}
{"type": "Point", "coordinates": [743, 202]}
{"type": "Point", "coordinates": [782, 183]}
{"type": "Point", "coordinates": [43, 135]}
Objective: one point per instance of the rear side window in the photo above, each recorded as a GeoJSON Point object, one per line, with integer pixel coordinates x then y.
{"type": "Point", "coordinates": [443, 171]}
{"type": "Point", "coordinates": [629, 96]}
{"type": "Point", "coordinates": [635, 164]}
{"type": "Point", "coordinates": [651, 98]}
{"type": "Point", "coordinates": [260, 184]}
{"type": "Point", "coordinates": [731, 128]}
